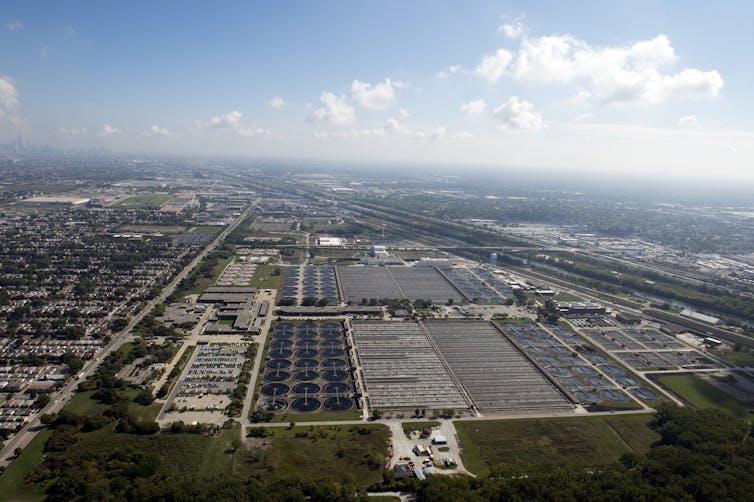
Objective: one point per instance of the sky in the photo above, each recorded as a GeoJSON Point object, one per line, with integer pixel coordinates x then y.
{"type": "Point", "coordinates": [633, 86]}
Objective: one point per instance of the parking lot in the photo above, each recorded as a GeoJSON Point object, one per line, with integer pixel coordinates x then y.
{"type": "Point", "coordinates": [214, 369]}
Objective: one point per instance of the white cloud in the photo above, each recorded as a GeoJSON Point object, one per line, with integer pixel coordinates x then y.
{"type": "Point", "coordinates": [159, 131]}
{"type": "Point", "coordinates": [393, 127]}
{"type": "Point", "coordinates": [9, 100]}
{"type": "Point", "coordinates": [516, 29]}
{"type": "Point", "coordinates": [232, 119]}
{"type": "Point", "coordinates": [374, 96]}
{"type": "Point", "coordinates": [376, 132]}
{"type": "Point", "coordinates": [336, 111]}
{"type": "Point", "coordinates": [432, 133]}
{"type": "Point", "coordinates": [518, 115]}
{"type": "Point", "coordinates": [44, 51]}
{"type": "Point", "coordinates": [463, 136]}
{"type": "Point", "coordinates": [582, 117]}
{"type": "Point", "coordinates": [452, 70]}
{"type": "Point", "coordinates": [276, 102]}
{"type": "Point", "coordinates": [404, 113]}
{"type": "Point", "coordinates": [689, 122]}
{"type": "Point", "coordinates": [13, 25]}
{"type": "Point", "coordinates": [492, 67]}
{"type": "Point", "coordinates": [72, 131]}
{"type": "Point", "coordinates": [474, 108]}
{"type": "Point", "coordinates": [108, 130]}
{"type": "Point", "coordinates": [631, 74]}
{"type": "Point", "coordinates": [253, 132]}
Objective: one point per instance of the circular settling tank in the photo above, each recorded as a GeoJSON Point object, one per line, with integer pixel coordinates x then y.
{"type": "Point", "coordinates": [558, 371]}
{"type": "Point", "coordinates": [338, 403]}
{"type": "Point", "coordinates": [306, 344]}
{"type": "Point", "coordinates": [278, 364]}
{"type": "Point", "coordinates": [337, 388]}
{"type": "Point", "coordinates": [306, 404]}
{"type": "Point", "coordinates": [306, 353]}
{"type": "Point", "coordinates": [332, 352]}
{"type": "Point", "coordinates": [277, 376]}
{"type": "Point", "coordinates": [588, 397]}
{"type": "Point", "coordinates": [275, 389]}
{"type": "Point", "coordinates": [614, 395]}
{"type": "Point", "coordinates": [280, 344]}
{"type": "Point", "coordinates": [645, 394]}
{"type": "Point", "coordinates": [280, 353]}
{"type": "Point", "coordinates": [332, 364]}
{"type": "Point", "coordinates": [306, 375]}
{"type": "Point", "coordinates": [307, 364]}
{"type": "Point", "coordinates": [306, 388]}
{"type": "Point", "coordinates": [335, 375]}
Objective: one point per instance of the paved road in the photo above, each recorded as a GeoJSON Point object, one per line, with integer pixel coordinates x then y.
{"type": "Point", "coordinates": [261, 340]}
{"type": "Point", "coordinates": [27, 433]}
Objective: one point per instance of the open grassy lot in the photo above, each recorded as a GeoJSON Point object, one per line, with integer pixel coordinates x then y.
{"type": "Point", "coordinates": [264, 277]}
{"type": "Point", "coordinates": [151, 229]}
{"type": "Point", "coordinates": [203, 282]}
{"type": "Point", "coordinates": [182, 455]}
{"type": "Point", "coordinates": [12, 481]}
{"type": "Point", "coordinates": [142, 202]}
{"type": "Point", "coordinates": [701, 394]}
{"type": "Point", "coordinates": [82, 404]}
{"type": "Point", "coordinates": [323, 416]}
{"type": "Point", "coordinates": [207, 229]}
{"type": "Point", "coordinates": [739, 358]}
{"type": "Point", "coordinates": [327, 453]}
{"type": "Point", "coordinates": [578, 442]}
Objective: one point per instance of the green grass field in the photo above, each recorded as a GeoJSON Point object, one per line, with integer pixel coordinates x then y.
{"type": "Point", "coordinates": [203, 282]}
{"type": "Point", "coordinates": [324, 416]}
{"type": "Point", "coordinates": [142, 202]}
{"type": "Point", "coordinates": [327, 453]}
{"type": "Point", "coordinates": [207, 229]}
{"type": "Point", "coordinates": [12, 481]}
{"type": "Point", "coordinates": [701, 394]}
{"type": "Point", "coordinates": [183, 455]}
{"type": "Point", "coordinates": [82, 404]}
{"type": "Point", "coordinates": [263, 277]}
{"type": "Point", "coordinates": [151, 229]}
{"type": "Point", "coordinates": [739, 358]}
{"type": "Point", "coordinates": [578, 442]}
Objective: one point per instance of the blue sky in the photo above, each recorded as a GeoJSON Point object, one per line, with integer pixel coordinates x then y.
{"type": "Point", "coordinates": [630, 86]}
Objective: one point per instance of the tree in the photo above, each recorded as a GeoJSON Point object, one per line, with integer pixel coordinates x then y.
{"type": "Point", "coordinates": [17, 452]}
{"type": "Point", "coordinates": [74, 362]}
{"type": "Point", "coordinates": [144, 398]}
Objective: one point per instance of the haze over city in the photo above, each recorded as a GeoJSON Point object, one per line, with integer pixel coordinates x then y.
{"type": "Point", "coordinates": [640, 87]}
{"type": "Point", "coordinates": [423, 251]}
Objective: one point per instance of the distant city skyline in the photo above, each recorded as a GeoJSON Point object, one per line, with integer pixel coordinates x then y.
{"type": "Point", "coordinates": [642, 87]}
